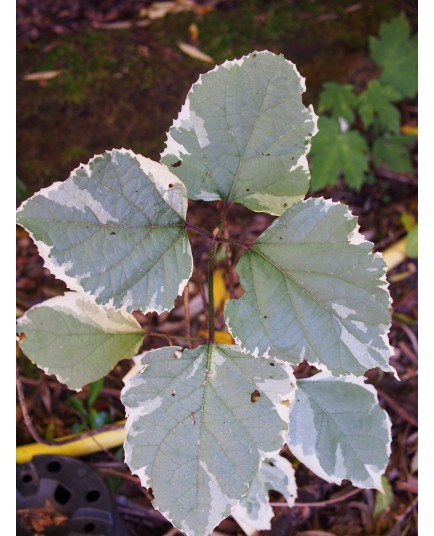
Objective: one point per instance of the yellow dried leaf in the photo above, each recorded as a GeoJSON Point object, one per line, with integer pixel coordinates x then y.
{"type": "Point", "coordinates": [395, 254]}
{"type": "Point", "coordinates": [409, 129]}
{"type": "Point", "coordinates": [221, 337]}
{"type": "Point", "coordinates": [221, 293]}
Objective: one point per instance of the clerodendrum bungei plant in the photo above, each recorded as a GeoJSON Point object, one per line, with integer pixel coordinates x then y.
{"type": "Point", "coordinates": [205, 426]}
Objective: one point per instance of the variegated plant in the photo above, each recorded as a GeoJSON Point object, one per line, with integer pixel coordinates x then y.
{"type": "Point", "coordinates": [205, 426]}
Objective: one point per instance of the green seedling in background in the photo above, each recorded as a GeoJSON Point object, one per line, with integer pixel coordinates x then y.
{"type": "Point", "coordinates": [340, 149]}
{"type": "Point", "coordinates": [90, 417]}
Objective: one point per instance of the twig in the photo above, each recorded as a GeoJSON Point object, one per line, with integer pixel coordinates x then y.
{"type": "Point", "coordinates": [211, 327]}
{"type": "Point", "coordinates": [26, 416]}
{"type": "Point", "coordinates": [408, 352]}
{"type": "Point", "coordinates": [229, 268]}
{"type": "Point", "coordinates": [406, 179]}
{"type": "Point", "coordinates": [321, 504]}
{"type": "Point", "coordinates": [411, 335]}
{"type": "Point", "coordinates": [169, 337]}
{"type": "Point", "coordinates": [198, 278]}
{"type": "Point", "coordinates": [28, 422]}
{"type": "Point", "coordinates": [398, 409]}
{"type": "Point", "coordinates": [217, 237]}
{"type": "Point", "coordinates": [126, 476]}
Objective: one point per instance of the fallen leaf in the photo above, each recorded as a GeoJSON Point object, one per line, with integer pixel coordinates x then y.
{"type": "Point", "coordinates": [221, 293]}
{"type": "Point", "coordinates": [42, 75]}
{"type": "Point", "coordinates": [409, 129]}
{"type": "Point", "coordinates": [221, 337]}
{"type": "Point", "coordinates": [39, 519]}
{"type": "Point", "coordinates": [395, 254]}
{"type": "Point", "coordinates": [193, 30]}
{"type": "Point", "coordinates": [195, 53]}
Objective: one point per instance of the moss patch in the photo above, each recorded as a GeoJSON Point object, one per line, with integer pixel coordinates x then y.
{"type": "Point", "coordinates": [123, 88]}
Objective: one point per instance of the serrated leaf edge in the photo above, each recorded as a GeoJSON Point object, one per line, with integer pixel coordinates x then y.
{"type": "Point", "coordinates": [354, 237]}
{"type": "Point", "coordinates": [311, 461]}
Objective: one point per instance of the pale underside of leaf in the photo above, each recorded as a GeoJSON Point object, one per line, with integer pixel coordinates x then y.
{"type": "Point", "coordinates": [339, 431]}
{"type": "Point", "coordinates": [243, 134]}
{"type": "Point", "coordinates": [199, 423]}
{"type": "Point", "coordinates": [115, 230]}
{"type": "Point", "coordinates": [76, 340]}
{"type": "Point", "coordinates": [254, 512]}
{"type": "Point", "coordinates": [314, 291]}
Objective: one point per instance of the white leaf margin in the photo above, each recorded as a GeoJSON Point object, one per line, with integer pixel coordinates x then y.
{"type": "Point", "coordinates": [265, 512]}
{"type": "Point", "coordinates": [354, 237]}
{"type": "Point", "coordinates": [312, 462]}
{"type": "Point", "coordinates": [161, 177]}
{"type": "Point", "coordinates": [103, 317]}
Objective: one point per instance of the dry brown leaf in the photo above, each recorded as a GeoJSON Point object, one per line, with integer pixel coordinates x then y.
{"type": "Point", "coordinates": [39, 519]}
{"type": "Point", "coordinates": [195, 53]}
{"type": "Point", "coordinates": [42, 75]}
{"type": "Point", "coordinates": [120, 25]}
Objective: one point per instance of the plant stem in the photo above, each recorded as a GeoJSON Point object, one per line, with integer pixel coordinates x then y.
{"type": "Point", "coordinates": [187, 316]}
{"type": "Point", "coordinates": [169, 337]}
{"type": "Point", "coordinates": [211, 259]}
{"type": "Point", "coordinates": [217, 238]}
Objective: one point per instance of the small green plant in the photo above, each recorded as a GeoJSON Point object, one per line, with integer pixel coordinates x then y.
{"type": "Point", "coordinates": [90, 417]}
{"type": "Point", "coordinates": [341, 149]}
{"type": "Point", "coordinates": [205, 425]}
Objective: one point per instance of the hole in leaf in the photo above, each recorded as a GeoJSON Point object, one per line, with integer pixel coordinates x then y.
{"type": "Point", "coordinates": [265, 316]}
{"type": "Point", "coordinates": [54, 467]}
{"type": "Point", "coordinates": [176, 164]}
{"type": "Point", "coordinates": [112, 233]}
{"type": "Point", "coordinates": [271, 463]}
{"type": "Point", "coordinates": [93, 495]}
{"type": "Point", "coordinates": [62, 495]}
{"type": "Point", "coordinates": [26, 478]}
{"type": "Point", "coordinates": [247, 189]}
{"type": "Point", "coordinates": [255, 396]}
{"type": "Point", "coordinates": [89, 527]}
{"type": "Point", "coordinates": [170, 185]}
{"type": "Point", "coordinates": [271, 364]}
{"type": "Point", "coordinates": [285, 204]}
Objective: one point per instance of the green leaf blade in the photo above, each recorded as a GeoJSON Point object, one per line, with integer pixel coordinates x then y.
{"type": "Point", "coordinates": [338, 430]}
{"type": "Point", "coordinates": [396, 53]}
{"type": "Point", "coordinates": [412, 242]}
{"type": "Point", "coordinates": [243, 134]}
{"type": "Point", "coordinates": [314, 291]}
{"type": "Point", "coordinates": [195, 428]}
{"type": "Point", "coordinates": [335, 152]}
{"type": "Point", "coordinates": [338, 99]}
{"type": "Point", "coordinates": [115, 230]}
{"type": "Point", "coordinates": [375, 105]}
{"type": "Point", "coordinates": [392, 150]}
{"type": "Point", "coordinates": [75, 339]}
{"type": "Point", "coordinates": [254, 512]}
